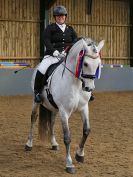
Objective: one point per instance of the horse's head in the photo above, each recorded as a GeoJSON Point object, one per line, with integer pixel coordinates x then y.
{"type": "Point", "coordinates": [87, 63]}
{"type": "Point", "coordinates": [91, 64]}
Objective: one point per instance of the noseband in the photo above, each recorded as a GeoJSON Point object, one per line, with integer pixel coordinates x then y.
{"type": "Point", "coordinates": [88, 76]}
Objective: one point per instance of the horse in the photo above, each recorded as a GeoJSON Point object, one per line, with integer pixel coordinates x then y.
{"type": "Point", "coordinates": [70, 86]}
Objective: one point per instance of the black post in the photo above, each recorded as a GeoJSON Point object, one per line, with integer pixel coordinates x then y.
{"type": "Point", "coordinates": [42, 18]}
{"type": "Point", "coordinates": [89, 7]}
{"type": "Point", "coordinates": [44, 7]}
{"type": "Point", "coordinates": [131, 33]}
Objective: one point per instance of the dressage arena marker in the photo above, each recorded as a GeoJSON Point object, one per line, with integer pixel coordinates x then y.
{"type": "Point", "coordinates": [113, 65]}
{"type": "Point", "coordinates": [116, 66]}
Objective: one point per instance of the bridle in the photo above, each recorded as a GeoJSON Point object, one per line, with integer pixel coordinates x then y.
{"type": "Point", "coordinates": [89, 76]}
{"type": "Point", "coordinates": [82, 75]}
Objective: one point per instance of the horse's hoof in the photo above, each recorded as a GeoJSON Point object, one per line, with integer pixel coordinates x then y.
{"type": "Point", "coordinates": [70, 170]}
{"type": "Point", "coordinates": [79, 158]}
{"type": "Point", "coordinates": [27, 148]}
{"type": "Point", "coordinates": [55, 148]}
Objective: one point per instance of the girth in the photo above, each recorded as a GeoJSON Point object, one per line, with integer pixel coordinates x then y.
{"type": "Point", "coordinates": [50, 98]}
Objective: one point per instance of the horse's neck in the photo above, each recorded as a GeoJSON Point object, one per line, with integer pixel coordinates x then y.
{"type": "Point", "coordinates": [72, 56]}
{"type": "Point", "coordinates": [71, 63]}
{"type": "Point", "coordinates": [70, 71]}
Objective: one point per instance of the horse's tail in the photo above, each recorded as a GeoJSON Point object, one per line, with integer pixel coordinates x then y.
{"type": "Point", "coordinates": [45, 117]}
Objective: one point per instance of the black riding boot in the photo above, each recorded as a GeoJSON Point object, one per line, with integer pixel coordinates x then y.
{"type": "Point", "coordinates": [40, 81]}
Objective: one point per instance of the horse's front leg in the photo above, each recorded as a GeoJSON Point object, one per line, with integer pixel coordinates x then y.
{"type": "Point", "coordinates": [28, 146]}
{"type": "Point", "coordinates": [67, 140]}
{"type": "Point", "coordinates": [86, 130]}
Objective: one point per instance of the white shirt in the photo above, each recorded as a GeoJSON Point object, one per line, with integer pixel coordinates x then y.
{"type": "Point", "coordinates": [62, 27]}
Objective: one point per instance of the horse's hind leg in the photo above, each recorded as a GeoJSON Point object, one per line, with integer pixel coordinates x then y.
{"type": "Point", "coordinates": [28, 146]}
{"type": "Point", "coordinates": [86, 130]}
{"type": "Point", "coordinates": [55, 145]}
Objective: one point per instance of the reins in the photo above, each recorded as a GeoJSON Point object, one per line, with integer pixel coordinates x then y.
{"type": "Point", "coordinates": [65, 67]}
{"type": "Point", "coordinates": [86, 76]}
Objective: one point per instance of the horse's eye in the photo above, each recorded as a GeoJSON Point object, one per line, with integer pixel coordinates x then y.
{"type": "Point", "coordinates": [85, 64]}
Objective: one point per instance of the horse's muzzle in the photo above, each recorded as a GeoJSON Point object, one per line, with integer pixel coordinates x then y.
{"type": "Point", "coordinates": [85, 88]}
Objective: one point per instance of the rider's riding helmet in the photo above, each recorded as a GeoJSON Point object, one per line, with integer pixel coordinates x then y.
{"type": "Point", "coordinates": [59, 10]}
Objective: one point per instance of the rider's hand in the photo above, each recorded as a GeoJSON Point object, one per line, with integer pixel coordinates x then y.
{"type": "Point", "coordinates": [56, 53]}
{"type": "Point", "coordinates": [62, 54]}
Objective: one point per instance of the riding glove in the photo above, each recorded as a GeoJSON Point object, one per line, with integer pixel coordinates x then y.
{"type": "Point", "coordinates": [62, 54]}
{"type": "Point", "coordinates": [56, 53]}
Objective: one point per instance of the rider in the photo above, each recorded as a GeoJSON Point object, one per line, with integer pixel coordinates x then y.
{"type": "Point", "coordinates": [57, 36]}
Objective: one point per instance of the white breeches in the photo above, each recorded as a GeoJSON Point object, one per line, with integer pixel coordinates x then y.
{"type": "Point", "coordinates": [46, 62]}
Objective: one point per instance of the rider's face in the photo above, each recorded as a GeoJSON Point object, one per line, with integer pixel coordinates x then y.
{"type": "Point", "coordinates": [60, 19]}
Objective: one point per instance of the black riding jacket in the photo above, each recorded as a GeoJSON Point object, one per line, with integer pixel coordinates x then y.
{"type": "Point", "coordinates": [56, 39]}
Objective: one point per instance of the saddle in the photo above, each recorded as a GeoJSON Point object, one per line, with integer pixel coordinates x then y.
{"type": "Point", "coordinates": [48, 73]}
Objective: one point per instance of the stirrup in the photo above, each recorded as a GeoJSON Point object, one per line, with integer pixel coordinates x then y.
{"type": "Point", "coordinates": [38, 98]}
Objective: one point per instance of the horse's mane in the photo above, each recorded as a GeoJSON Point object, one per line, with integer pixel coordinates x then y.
{"type": "Point", "coordinates": [78, 46]}
{"type": "Point", "coordinates": [89, 41]}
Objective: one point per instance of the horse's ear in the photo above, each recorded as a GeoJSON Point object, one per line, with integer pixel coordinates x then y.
{"type": "Point", "coordinates": [101, 44]}
{"type": "Point", "coordinates": [85, 45]}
